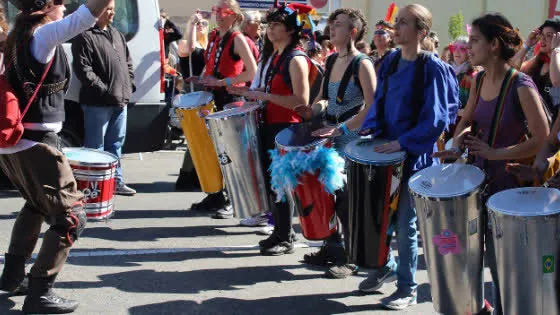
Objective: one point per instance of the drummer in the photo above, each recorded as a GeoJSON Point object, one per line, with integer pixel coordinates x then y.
{"type": "Point", "coordinates": [282, 97]}
{"type": "Point", "coordinates": [493, 42]}
{"type": "Point", "coordinates": [347, 27]}
{"type": "Point", "coordinates": [412, 126]}
{"type": "Point", "coordinates": [229, 62]}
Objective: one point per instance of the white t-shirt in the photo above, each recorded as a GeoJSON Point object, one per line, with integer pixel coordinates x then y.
{"type": "Point", "coordinates": [43, 47]}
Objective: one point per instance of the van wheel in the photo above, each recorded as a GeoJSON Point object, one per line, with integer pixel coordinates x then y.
{"type": "Point", "coordinates": [70, 138]}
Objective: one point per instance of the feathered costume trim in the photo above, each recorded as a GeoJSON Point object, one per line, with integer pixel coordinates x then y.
{"type": "Point", "coordinates": [286, 169]}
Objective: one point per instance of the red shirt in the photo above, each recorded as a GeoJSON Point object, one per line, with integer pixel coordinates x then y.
{"type": "Point", "coordinates": [276, 114]}
{"type": "Point", "coordinates": [230, 66]}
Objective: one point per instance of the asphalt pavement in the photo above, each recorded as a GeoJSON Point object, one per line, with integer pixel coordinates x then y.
{"type": "Point", "coordinates": [157, 257]}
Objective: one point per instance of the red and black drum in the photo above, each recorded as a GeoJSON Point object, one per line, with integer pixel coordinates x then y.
{"type": "Point", "coordinates": [315, 206]}
{"type": "Point", "coordinates": [374, 181]}
{"type": "Point", "coordinates": [95, 173]}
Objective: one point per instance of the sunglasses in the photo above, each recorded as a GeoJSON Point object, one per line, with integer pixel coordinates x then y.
{"type": "Point", "coordinates": [202, 23]}
{"type": "Point", "coordinates": [381, 32]}
{"type": "Point", "coordinates": [458, 47]}
{"type": "Point", "coordinates": [221, 12]}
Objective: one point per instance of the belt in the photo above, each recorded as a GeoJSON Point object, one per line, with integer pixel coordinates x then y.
{"type": "Point", "coordinates": [333, 119]}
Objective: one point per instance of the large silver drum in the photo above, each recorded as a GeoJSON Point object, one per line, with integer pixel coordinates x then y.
{"type": "Point", "coordinates": [449, 206]}
{"type": "Point", "coordinates": [526, 230]}
{"type": "Point", "coordinates": [236, 137]}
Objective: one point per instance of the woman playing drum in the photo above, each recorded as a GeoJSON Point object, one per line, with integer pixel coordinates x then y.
{"type": "Point", "coordinates": [347, 27]}
{"type": "Point", "coordinates": [287, 87]}
{"type": "Point", "coordinates": [229, 62]}
{"type": "Point", "coordinates": [412, 123]}
{"type": "Point", "coordinates": [496, 137]}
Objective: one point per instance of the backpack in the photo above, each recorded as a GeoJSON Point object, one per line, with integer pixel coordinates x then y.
{"type": "Point", "coordinates": [353, 70]}
{"type": "Point", "coordinates": [316, 74]}
{"type": "Point", "coordinates": [11, 116]}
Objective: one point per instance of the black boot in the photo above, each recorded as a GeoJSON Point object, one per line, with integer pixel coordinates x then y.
{"type": "Point", "coordinates": [187, 181]}
{"type": "Point", "coordinates": [13, 278]}
{"type": "Point", "coordinates": [41, 298]}
{"type": "Point", "coordinates": [282, 241]}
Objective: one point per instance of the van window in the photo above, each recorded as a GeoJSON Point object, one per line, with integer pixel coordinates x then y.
{"type": "Point", "coordinates": [126, 14]}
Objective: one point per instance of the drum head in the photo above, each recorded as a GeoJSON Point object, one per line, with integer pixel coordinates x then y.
{"type": "Point", "coordinates": [193, 100]}
{"type": "Point", "coordinates": [238, 111]}
{"type": "Point", "coordinates": [526, 202]}
{"type": "Point", "coordinates": [447, 181]}
{"type": "Point", "coordinates": [89, 156]}
{"type": "Point", "coordinates": [298, 137]}
{"type": "Point", "coordinates": [361, 151]}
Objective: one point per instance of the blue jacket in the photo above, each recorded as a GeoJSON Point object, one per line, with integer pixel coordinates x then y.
{"type": "Point", "coordinates": [416, 135]}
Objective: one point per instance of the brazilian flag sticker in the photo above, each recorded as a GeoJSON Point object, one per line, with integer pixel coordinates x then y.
{"type": "Point", "coordinates": [548, 264]}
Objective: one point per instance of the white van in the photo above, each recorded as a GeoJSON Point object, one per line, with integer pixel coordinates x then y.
{"type": "Point", "coordinates": [139, 21]}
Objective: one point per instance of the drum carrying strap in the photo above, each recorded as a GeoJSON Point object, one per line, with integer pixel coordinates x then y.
{"type": "Point", "coordinates": [352, 71]}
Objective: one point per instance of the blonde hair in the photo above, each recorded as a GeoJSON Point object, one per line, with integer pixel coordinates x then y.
{"type": "Point", "coordinates": [235, 7]}
{"type": "Point", "coordinates": [202, 38]}
{"type": "Point", "coordinates": [424, 22]}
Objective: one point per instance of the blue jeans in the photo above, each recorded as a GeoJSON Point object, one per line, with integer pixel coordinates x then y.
{"type": "Point", "coordinates": [105, 129]}
{"type": "Point", "coordinates": [407, 240]}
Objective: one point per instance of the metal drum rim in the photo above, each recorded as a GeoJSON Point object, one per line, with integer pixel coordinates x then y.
{"type": "Point", "coordinates": [530, 217]}
{"type": "Point", "coordinates": [96, 164]}
{"type": "Point", "coordinates": [385, 163]}
{"type": "Point", "coordinates": [234, 115]}
{"type": "Point", "coordinates": [305, 147]}
{"type": "Point", "coordinates": [195, 106]}
{"type": "Point", "coordinates": [475, 191]}
{"type": "Point", "coordinates": [519, 215]}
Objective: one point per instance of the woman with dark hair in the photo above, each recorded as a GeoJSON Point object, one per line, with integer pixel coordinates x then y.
{"type": "Point", "coordinates": [412, 125]}
{"type": "Point", "coordinates": [538, 67]}
{"type": "Point", "coordinates": [229, 62]}
{"type": "Point", "coordinates": [35, 164]}
{"type": "Point", "coordinates": [344, 117]}
{"type": "Point", "coordinates": [281, 98]}
{"type": "Point", "coordinates": [492, 44]}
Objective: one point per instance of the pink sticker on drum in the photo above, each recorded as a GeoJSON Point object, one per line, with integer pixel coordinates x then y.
{"type": "Point", "coordinates": [447, 243]}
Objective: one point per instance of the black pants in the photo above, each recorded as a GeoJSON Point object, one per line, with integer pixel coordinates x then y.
{"type": "Point", "coordinates": [222, 98]}
{"type": "Point", "coordinates": [281, 211]}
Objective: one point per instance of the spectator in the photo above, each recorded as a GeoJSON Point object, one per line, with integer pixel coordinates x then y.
{"type": "Point", "coordinates": [251, 27]}
{"type": "Point", "coordinates": [171, 32]}
{"type": "Point", "coordinates": [107, 86]}
{"type": "Point", "coordinates": [383, 42]}
{"type": "Point", "coordinates": [363, 47]}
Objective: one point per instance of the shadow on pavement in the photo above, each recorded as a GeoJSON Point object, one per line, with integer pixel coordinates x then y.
{"type": "Point", "coordinates": [11, 216]}
{"type": "Point", "coordinates": [7, 305]}
{"type": "Point", "coordinates": [153, 188]}
{"type": "Point", "coordinates": [190, 282]}
{"type": "Point", "coordinates": [5, 194]}
{"type": "Point", "coordinates": [297, 304]}
{"type": "Point", "coordinates": [156, 214]}
{"type": "Point", "coordinates": [138, 260]}
{"type": "Point", "coordinates": [143, 234]}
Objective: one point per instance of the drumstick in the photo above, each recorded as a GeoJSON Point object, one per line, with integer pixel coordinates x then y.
{"type": "Point", "coordinates": [190, 73]}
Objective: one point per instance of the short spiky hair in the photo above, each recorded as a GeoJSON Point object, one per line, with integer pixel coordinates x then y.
{"type": "Point", "coordinates": [357, 20]}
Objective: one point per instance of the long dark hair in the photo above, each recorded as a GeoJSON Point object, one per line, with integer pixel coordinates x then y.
{"type": "Point", "coordinates": [24, 26]}
{"type": "Point", "coordinates": [496, 26]}
{"type": "Point", "coordinates": [268, 50]}
{"type": "Point", "coordinates": [281, 16]}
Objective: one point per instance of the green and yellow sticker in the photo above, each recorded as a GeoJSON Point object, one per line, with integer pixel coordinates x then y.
{"type": "Point", "coordinates": [548, 264]}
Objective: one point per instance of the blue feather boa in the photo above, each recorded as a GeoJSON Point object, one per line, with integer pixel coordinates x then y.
{"type": "Point", "coordinates": [287, 168]}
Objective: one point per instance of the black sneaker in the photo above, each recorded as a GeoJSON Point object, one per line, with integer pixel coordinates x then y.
{"type": "Point", "coordinates": [212, 202]}
{"type": "Point", "coordinates": [224, 213]}
{"type": "Point", "coordinates": [376, 280]}
{"type": "Point", "coordinates": [280, 248]}
{"type": "Point", "coordinates": [41, 298]}
{"type": "Point", "coordinates": [328, 254]}
{"type": "Point", "coordinates": [124, 190]}
{"type": "Point", "coordinates": [269, 241]}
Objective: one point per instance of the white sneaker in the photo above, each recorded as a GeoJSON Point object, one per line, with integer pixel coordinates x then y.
{"type": "Point", "coordinates": [267, 230]}
{"type": "Point", "coordinates": [261, 220]}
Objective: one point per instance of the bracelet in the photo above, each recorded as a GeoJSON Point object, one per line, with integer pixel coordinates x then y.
{"type": "Point", "coordinates": [343, 128]}
{"type": "Point", "coordinates": [527, 48]}
{"type": "Point", "coordinates": [228, 82]}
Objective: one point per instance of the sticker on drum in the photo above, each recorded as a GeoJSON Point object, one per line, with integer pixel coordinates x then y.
{"type": "Point", "coordinates": [298, 137]}
{"type": "Point", "coordinates": [526, 202]}
{"type": "Point", "coordinates": [193, 100]}
{"type": "Point", "coordinates": [447, 181]}
{"type": "Point", "coordinates": [447, 242]}
{"type": "Point", "coordinates": [361, 151]}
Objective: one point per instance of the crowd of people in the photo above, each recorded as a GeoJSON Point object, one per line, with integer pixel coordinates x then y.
{"type": "Point", "coordinates": [364, 90]}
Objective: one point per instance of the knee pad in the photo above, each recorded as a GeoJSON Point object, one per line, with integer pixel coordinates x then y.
{"type": "Point", "coordinates": [70, 224]}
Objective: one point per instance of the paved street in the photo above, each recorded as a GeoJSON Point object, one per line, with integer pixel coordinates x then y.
{"type": "Point", "coordinates": [156, 257]}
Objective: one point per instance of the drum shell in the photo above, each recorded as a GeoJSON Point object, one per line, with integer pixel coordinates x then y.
{"type": "Point", "coordinates": [457, 283]}
{"type": "Point", "coordinates": [372, 208]}
{"type": "Point", "coordinates": [314, 205]}
{"type": "Point", "coordinates": [202, 150]}
{"type": "Point", "coordinates": [520, 247]}
{"type": "Point", "coordinates": [97, 183]}
{"type": "Point", "coordinates": [237, 139]}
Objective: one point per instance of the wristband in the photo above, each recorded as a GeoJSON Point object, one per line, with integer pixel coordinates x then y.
{"type": "Point", "coordinates": [527, 48]}
{"type": "Point", "coordinates": [228, 82]}
{"type": "Point", "coordinates": [343, 128]}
